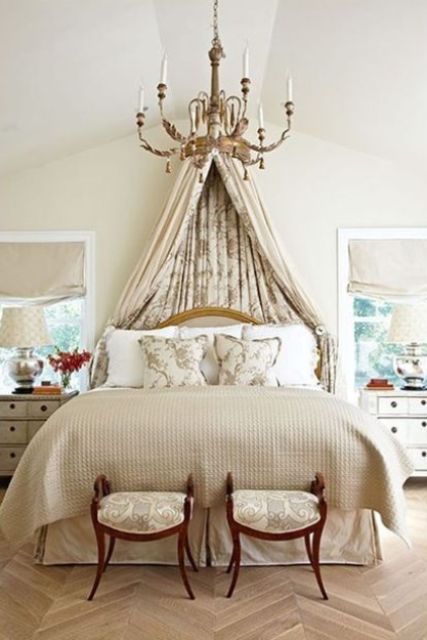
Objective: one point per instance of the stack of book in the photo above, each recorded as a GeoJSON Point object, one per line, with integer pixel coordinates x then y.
{"type": "Point", "coordinates": [380, 384]}
{"type": "Point", "coordinates": [47, 390]}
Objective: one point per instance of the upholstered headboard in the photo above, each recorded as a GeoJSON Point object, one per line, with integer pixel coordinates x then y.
{"type": "Point", "coordinates": [217, 317]}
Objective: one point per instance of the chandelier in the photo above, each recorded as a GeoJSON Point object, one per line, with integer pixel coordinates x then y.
{"type": "Point", "coordinates": [217, 122]}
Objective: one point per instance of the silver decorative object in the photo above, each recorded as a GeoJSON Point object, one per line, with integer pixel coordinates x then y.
{"type": "Point", "coordinates": [409, 327]}
{"type": "Point", "coordinates": [22, 329]}
{"type": "Point", "coordinates": [24, 367]}
{"type": "Point", "coordinates": [412, 367]}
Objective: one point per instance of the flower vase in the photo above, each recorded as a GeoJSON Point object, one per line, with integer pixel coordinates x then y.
{"type": "Point", "coordinates": [65, 380]}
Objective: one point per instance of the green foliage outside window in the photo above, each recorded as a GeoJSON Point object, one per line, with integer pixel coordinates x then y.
{"type": "Point", "coordinates": [373, 354]}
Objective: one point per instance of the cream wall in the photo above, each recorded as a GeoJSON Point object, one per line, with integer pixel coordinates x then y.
{"type": "Point", "coordinates": [310, 187]}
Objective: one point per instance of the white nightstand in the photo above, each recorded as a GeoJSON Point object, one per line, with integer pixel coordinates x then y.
{"type": "Point", "coordinates": [405, 414]}
{"type": "Point", "coordinates": [21, 416]}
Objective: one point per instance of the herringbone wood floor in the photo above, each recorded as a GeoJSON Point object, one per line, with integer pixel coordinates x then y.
{"type": "Point", "coordinates": [387, 602]}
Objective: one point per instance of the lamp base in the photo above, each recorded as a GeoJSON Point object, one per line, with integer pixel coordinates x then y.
{"type": "Point", "coordinates": [411, 367]}
{"type": "Point", "coordinates": [23, 368]}
{"type": "Point", "coordinates": [411, 388]}
{"type": "Point", "coordinates": [22, 390]}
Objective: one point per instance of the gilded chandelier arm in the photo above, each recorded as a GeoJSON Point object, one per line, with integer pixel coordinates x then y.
{"type": "Point", "coordinates": [172, 131]}
{"type": "Point", "coordinates": [289, 108]}
{"type": "Point", "coordinates": [166, 153]}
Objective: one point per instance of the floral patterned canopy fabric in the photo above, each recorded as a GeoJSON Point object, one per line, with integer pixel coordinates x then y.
{"type": "Point", "coordinates": [214, 247]}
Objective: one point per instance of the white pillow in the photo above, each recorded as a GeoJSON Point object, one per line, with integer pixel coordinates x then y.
{"type": "Point", "coordinates": [210, 366]}
{"type": "Point", "coordinates": [125, 358]}
{"type": "Point", "coordinates": [297, 358]}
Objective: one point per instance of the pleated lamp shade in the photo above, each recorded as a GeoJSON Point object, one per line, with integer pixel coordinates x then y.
{"type": "Point", "coordinates": [409, 324]}
{"type": "Point", "coordinates": [24, 327]}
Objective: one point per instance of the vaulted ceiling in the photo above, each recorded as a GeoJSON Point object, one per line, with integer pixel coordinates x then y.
{"type": "Point", "coordinates": [70, 69]}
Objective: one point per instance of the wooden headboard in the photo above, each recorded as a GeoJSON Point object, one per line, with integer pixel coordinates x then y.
{"type": "Point", "coordinates": [192, 315]}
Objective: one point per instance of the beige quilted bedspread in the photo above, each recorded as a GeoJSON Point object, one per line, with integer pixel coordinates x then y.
{"type": "Point", "coordinates": [269, 437]}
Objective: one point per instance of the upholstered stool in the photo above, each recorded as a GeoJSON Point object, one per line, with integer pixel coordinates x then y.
{"type": "Point", "coordinates": [140, 516]}
{"type": "Point", "coordinates": [277, 515]}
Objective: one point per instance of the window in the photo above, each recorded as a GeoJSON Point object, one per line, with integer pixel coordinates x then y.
{"type": "Point", "coordinates": [373, 355]}
{"type": "Point", "coordinates": [70, 322]}
{"type": "Point", "coordinates": [363, 322]}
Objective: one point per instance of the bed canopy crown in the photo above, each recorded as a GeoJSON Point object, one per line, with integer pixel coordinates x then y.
{"type": "Point", "coordinates": [214, 247]}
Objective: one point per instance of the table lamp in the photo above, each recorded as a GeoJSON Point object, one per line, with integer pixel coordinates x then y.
{"type": "Point", "coordinates": [408, 326]}
{"type": "Point", "coordinates": [22, 329]}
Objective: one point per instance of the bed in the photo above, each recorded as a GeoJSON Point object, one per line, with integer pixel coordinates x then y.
{"type": "Point", "coordinates": [268, 437]}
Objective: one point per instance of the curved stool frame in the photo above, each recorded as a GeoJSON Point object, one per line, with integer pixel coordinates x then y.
{"type": "Point", "coordinates": [312, 546]}
{"type": "Point", "coordinates": [102, 488]}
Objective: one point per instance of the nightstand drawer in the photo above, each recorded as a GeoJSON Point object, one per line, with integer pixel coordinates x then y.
{"type": "Point", "coordinates": [416, 431]}
{"type": "Point", "coordinates": [42, 408]}
{"type": "Point", "coordinates": [9, 457]}
{"type": "Point", "coordinates": [33, 427]}
{"type": "Point", "coordinates": [392, 405]}
{"type": "Point", "coordinates": [11, 409]}
{"type": "Point", "coordinates": [419, 458]}
{"type": "Point", "coordinates": [397, 427]}
{"type": "Point", "coordinates": [13, 431]}
{"type": "Point", "coordinates": [418, 406]}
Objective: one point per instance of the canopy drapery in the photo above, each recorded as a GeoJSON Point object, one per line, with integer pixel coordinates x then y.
{"type": "Point", "coordinates": [56, 268]}
{"type": "Point", "coordinates": [389, 269]}
{"type": "Point", "coordinates": [214, 246]}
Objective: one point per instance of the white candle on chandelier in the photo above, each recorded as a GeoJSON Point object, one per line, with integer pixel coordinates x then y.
{"type": "Point", "coordinates": [289, 88]}
{"type": "Point", "coordinates": [246, 62]}
{"type": "Point", "coordinates": [164, 69]}
{"type": "Point", "coordinates": [141, 100]}
{"type": "Point", "coordinates": [260, 117]}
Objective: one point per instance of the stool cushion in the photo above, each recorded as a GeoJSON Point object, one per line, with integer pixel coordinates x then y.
{"type": "Point", "coordinates": [142, 511]}
{"type": "Point", "coordinates": [275, 511]}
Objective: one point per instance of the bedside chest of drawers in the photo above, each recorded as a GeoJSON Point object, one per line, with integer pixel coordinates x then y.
{"type": "Point", "coordinates": [21, 416]}
{"type": "Point", "coordinates": [404, 413]}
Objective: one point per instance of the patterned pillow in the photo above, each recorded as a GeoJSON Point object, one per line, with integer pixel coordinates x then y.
{"type": "Point", "coordinates": [173, 362]}
{"type": "Point", "coordinates": [246, 362]}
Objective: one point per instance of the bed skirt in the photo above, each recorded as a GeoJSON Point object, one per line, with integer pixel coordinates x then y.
{"type": "Point", "coordinates": [350, 537]}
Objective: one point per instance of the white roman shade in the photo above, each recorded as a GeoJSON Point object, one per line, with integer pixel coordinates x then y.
{"type": "Point", "coordinates": [394, 270]}
{"type": "Point", "coordinates": [41, 272]}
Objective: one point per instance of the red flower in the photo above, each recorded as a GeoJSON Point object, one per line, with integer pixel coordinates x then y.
{"type": "Point", "coordinates": [67, 362]}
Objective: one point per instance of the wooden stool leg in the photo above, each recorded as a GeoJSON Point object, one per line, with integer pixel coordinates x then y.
{"type": "Point", "coordinates": [110, 551]}
{"type": "Point", "coordinates": [189, 554]}
{"type": "Point", "coordinates": [315, 561]}
{"type": "Point", "coordinates": [237, 555]}
{"type": "Point", "coordinates": [308, 548]}
{"type": "Point", "coordinates": [101, 554]}
{"type": "Point", "coordinates": [181, 544]}
{"type": "Point", "coordinates": [230, 564]}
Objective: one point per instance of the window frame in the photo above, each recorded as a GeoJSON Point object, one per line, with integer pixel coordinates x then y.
{"type": "Point", "coordinates": [88, 238]}
{"type": "Point", "coordinates": [345, 300]}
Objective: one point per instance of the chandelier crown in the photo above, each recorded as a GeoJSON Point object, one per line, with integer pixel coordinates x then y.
{"type": "Point", "coordinates": [224, 118]}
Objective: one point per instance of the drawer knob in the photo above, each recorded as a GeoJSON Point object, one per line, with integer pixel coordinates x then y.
{"type": "Point", "coordinates": [13, 454]}
{"type": "Point", "coordinates": [423, 402]}
{"type": "Point", "coordinates": [394, 404]}
{"type": "Point", "coordinates": [12, 428]}
{"type": "Point", "coordinates": [424, 454]}
{"type": "Point", "coordinates": [43, 407]}
{"type": "Point", "coordinates": [424, 423]}
{"type": "Point", "coordinates": [394, 429]}
{"type": "Point", "coordinates": [12, 405]}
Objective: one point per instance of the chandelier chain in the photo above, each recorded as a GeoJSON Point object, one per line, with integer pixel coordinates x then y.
{"type": "Point", "coordinates": [215, 23]}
